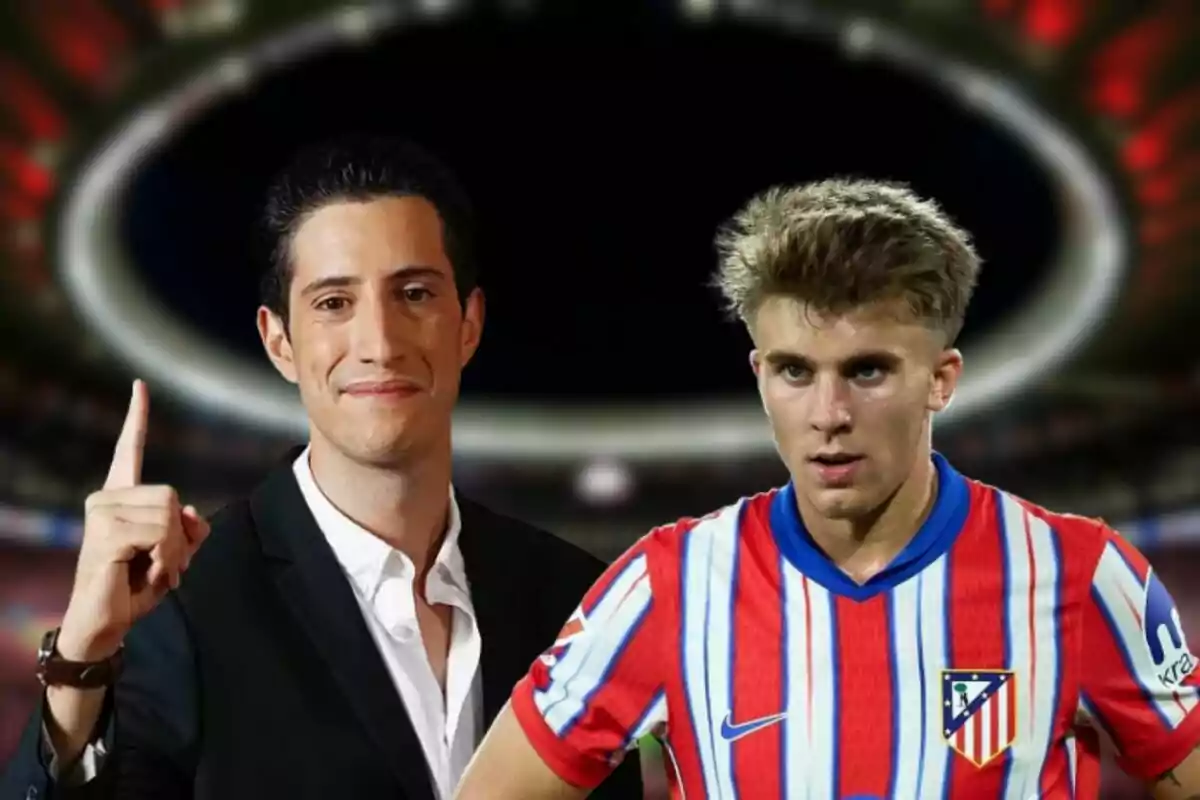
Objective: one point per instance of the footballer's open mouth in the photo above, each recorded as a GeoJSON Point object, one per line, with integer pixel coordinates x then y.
{"type": "Point", "coordinates": [835, 469]}
{"type": "Point", "coordinates": [835, 459]}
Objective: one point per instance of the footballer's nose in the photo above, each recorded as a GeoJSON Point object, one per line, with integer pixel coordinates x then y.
{"type": "Point", "coordinates": [830, 409]}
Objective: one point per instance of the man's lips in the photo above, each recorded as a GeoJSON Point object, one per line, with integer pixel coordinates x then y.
{"type": "Point", "coordinates": [391, 387]}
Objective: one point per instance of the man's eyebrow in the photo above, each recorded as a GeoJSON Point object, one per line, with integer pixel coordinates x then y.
{"type": "Point", "coordinates": [344, 281]}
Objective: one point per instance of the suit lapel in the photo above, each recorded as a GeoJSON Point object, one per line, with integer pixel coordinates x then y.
{"type": "Point", "coordinates": [318, 594]}
{"type": "Point", "coordinates": [501, 604]}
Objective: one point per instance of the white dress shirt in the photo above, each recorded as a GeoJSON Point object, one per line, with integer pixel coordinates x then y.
{"type": "Point", "coordinates": [382, 578]}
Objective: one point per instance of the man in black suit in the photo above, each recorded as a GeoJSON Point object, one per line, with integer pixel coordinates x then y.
{"type": "Point", "coordinates": [352, 628]}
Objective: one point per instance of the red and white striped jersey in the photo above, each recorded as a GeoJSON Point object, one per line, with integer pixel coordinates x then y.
{"type": "Point", "coordinates": [985, 662]}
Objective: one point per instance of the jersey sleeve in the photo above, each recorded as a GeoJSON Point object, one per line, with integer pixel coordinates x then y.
{"type": "Point", "coordinates": [1139, 678]}
{"type": "Point", "coordinates": [598, 688]}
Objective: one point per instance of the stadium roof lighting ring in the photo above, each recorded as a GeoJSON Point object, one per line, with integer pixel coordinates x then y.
{"type": "Point", "coordinates": [102, 283]}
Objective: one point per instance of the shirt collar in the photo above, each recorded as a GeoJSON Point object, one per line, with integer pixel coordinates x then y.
{"type": "Point", "coordinates": [936, 535]}
{"type": "Point", "coordinates": [362, 554]}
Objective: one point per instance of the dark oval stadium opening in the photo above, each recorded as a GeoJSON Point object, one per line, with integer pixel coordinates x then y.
{"type": "Point", "coordinates": [600, 161]}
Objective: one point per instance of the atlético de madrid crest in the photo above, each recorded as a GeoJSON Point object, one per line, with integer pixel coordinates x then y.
{"type": "Point", "coordinates": [979, 712]}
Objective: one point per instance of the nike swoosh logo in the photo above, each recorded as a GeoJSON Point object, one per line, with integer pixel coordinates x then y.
{"type": "Point", "coordinates": [731, 732]}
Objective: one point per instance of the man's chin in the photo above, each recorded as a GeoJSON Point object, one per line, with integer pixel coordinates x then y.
{"type": "Point", "coordinates": [389, 458]}
{"type": "Point", "coordinates": [386, 448]}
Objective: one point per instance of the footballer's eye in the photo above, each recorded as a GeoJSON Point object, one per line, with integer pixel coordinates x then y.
{"type": "Point", "coordinates": [792, 369]}
{"type": "Point", "coordinates": [868, 374]}
{"type": "Point", "coordinates": [795, 373]}
{"type": "Point", "coordinates": [870, 370]}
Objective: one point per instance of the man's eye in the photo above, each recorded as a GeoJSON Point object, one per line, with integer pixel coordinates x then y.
{"type": "Point", "coordinates": [332, 303]}
{"type": "Point", "coordinates": [415, 294]}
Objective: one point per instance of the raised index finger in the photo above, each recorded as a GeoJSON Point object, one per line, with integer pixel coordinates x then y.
{"type": "Point", "coordinates": [126, 469]}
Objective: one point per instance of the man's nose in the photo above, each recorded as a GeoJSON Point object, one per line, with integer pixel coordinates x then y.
{"type": "Point", "coordinates": [382, 332]}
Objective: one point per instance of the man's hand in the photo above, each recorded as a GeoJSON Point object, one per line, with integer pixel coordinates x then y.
{"type": "Point", "coordinates": [137, 541]}
{"type": "Point", "coordinates": [1180, 783]}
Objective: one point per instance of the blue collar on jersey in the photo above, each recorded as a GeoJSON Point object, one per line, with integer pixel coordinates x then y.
{"type": "Point", "coordinates": [936, 535]}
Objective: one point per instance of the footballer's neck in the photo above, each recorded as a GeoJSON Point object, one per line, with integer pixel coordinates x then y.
{"type": "Point", "coordinates": [864, 546]}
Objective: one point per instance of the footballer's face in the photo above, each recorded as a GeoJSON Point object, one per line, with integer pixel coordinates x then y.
{"type": "Point", "coordinates": [376, 337]}
{"type": "Point", "coordinates": [850, 398]}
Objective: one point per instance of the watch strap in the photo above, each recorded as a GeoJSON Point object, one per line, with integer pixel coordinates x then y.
{"type": "Point", "coordinates": [54, 670]}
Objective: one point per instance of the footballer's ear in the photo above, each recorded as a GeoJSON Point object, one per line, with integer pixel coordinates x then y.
{"type": "Point", "coordinates": [946, 373]}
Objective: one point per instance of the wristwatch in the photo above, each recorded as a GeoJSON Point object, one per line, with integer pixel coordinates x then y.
{"type": "Point", "coordinates": [54, 670]}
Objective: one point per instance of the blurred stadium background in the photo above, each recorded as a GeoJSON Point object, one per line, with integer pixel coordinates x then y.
{"type": "Point", "coordinates": [602, 143]}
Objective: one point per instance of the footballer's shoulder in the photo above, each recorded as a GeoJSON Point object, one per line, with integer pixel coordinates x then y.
{"type": "Point", "coordinates": [1077, 527]}
{"type": "Point", "coordinates": [729, 516]}
{"type": "Point", "coordinates": [1080, 542]}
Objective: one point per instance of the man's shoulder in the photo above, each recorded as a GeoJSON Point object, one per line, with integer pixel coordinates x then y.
{"type": "Point", "coordinates": [230, 555]}
{"type": "Point", "coordinates": [526, 543]}
{"type": "Point", "coordinates": [231, 526]}
{"type": "Point", "coordinates": [236, 535]}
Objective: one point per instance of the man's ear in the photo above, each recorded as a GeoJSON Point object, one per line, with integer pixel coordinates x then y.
{"type": "Point", "coordinates": [274, 334]}
{"type": "Point", "coordinates": [474, 312]}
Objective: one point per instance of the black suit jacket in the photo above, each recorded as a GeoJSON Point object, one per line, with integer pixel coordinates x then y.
{"type": "Point", "coordinates": [258, 677]}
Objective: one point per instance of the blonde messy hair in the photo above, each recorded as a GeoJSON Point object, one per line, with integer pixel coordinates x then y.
{"type": "Point", "coordinates": [839, 244]}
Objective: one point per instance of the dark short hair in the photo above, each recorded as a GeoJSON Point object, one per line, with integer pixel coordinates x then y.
{"type": "Point", "coordinates": [359, 168]}
{"type": "Point", "coordinates": [839, 244]}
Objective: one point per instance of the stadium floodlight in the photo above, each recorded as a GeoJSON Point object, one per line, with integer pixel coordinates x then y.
{"type": "Point", "coordinates": [99, 278]}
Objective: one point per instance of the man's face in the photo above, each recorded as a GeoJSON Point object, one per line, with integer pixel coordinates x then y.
{"type": "Point", "coordinates": [376, 338]}
{"type": "Point", "coordinates": [849, 398]}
